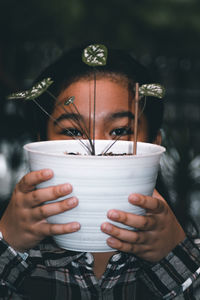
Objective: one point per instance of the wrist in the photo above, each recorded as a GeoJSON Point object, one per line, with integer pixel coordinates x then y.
{"type": "Point", "coordinates": [23, 255]}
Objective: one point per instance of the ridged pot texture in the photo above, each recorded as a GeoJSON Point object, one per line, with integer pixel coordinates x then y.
{"type": "Point", "coordinates": [99, 182]}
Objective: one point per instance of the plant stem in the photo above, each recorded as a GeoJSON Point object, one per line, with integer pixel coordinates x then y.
{"type": "Point", "coordinates": [52, 95]}
{"type": "Point", "coordinates": [84, 127]}
{"type": "Point", "coordinates": [53, 119]}
{"type": "Point", "coordinates": [77, 122]}
{"type": "Point", "coordinates": [128, 128]}
{"type": "Point", "coordinates": [94, 113]}
{"type": "Point", "coordinates": [136, 118]}
{"type": "Point", "coordinates": [110, 146]}
{"type": "Point", "coordinates": [143, 108]}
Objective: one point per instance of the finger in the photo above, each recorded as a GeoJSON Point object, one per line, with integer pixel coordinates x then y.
{"type": "Point", "coordinates": [147, 222]}
{"type": "Point", "coordinates": [154, 205]}
{"type": "Point", "coordinates": [157, 195]}
{"type": "Point", "coordinates": [45, 211]}
{"type": "Point", "coordinates": [124, 235]}
{"type": "Point", "coordinates": [127, 247]}
{"type": "Point", "coordinates": [37, 197]}
{"type": "Point", "coordinates": [30, 180]}
{"type": "Point", "coordinates": [47, 229]}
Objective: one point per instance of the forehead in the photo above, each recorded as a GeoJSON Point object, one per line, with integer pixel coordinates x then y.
{"type": "Point", "coordinates": [109, 93]}
{"type": "Point", "coordinates": [114, 106]}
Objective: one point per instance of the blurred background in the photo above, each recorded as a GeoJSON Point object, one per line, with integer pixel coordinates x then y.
{"type": "Point", "coordinates": [164, 35]}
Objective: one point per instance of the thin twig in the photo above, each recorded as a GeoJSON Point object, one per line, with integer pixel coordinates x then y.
{"type": "Point", "coordinates": [136, 118]}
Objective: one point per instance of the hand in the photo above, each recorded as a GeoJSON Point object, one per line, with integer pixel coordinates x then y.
{"type": "Point", "coordinates": [24, 224]}
{"type": "Point", "coordinates": [158, 231]}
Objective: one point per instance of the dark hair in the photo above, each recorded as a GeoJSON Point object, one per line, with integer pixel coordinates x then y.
{"type": "Point", "coordinates": [69, 68]}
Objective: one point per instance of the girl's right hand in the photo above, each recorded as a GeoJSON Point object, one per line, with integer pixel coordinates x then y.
{"type": "Point", "coordinates": [24, 223]}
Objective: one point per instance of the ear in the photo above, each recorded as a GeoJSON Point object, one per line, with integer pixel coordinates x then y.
{"type": "Point", "coordinates": [158, 139]}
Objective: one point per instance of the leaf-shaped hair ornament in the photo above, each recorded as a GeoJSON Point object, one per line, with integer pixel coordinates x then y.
{"type": "Point", "coordinates": [152, 89]}
{"type": "Point", "coordinates": [95, 55]}
{"type": "Point", "coordinates": [34, 92]}
{"type": "Point", "coordinates": [69, 100]}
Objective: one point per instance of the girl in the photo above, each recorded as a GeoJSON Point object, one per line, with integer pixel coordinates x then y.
{"type": "Point", "coordinates": [156, 261]}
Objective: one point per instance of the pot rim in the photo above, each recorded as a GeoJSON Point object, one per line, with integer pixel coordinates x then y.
{"type": "Point", "coordinates": [28, 148]}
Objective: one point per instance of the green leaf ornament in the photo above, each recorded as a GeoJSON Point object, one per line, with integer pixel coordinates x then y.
{"type": "Point", "coordinates": [152, 89]}
{"type": "Point", "coordinates": [34, 92]}
{"type": "Point", "coordinates": [69, 100]}
{"type": "Point", "coordinates": [95, 55]}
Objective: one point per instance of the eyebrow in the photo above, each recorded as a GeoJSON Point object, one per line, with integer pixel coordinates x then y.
{"type": "Point", "coordinates": [122, 114]}
{"type": "Point", "coordinates": [79, 117]}
{"type": "Point", "coordinates": [68, 116]}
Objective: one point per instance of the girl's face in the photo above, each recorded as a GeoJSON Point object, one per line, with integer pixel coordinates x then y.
{"type": "Point", "coordinates": [114, 112]}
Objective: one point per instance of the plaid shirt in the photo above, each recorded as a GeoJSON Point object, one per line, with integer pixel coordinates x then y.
{"type": "Point", "coordinates": [51, 273]}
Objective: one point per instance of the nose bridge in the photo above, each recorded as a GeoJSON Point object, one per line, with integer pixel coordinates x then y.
{"type": "Point", "coordinates": [98, 129]}
{"type": "Point", "coordinates": [100, 134]}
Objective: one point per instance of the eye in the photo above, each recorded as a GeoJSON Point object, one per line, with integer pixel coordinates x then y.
{"type": "Point", "coordinates": [121, 131]}
{"type": "Point", "coordinates": [71, 132]}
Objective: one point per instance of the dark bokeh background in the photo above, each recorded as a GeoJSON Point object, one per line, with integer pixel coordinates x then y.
{"type": "Point", "coordinates": [163, 34]}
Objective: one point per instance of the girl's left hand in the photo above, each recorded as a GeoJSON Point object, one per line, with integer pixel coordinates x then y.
{"type": "Point", "coordinates": [158, 232]}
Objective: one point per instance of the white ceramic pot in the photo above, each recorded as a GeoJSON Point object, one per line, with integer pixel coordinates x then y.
{"type": "Point", "coordinates": [99, 182]}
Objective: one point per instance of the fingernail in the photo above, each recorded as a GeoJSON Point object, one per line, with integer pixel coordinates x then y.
{"type": "Point", "coordinates": [47, 173]}
{"type": "Point", "coordinates": [72, 201]}
{"type": "Point", "coordinates": [113, 214]}
{"type": "Point", "coordinates": [75, 226]}
{"type": "Point", "coordinates": [107, 227]}
{"type": "Point", "coordinates": [135, 198]}
{"type": "Point", "coordinates": [65, 188]}
{"type": "Point", "coordinates": [111, 241]}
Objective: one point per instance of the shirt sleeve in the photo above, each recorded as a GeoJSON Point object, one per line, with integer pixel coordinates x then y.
{"type": "Point", "coordinates": [13, 269]}
{"type": "Point", "coordinates": [177, 275]}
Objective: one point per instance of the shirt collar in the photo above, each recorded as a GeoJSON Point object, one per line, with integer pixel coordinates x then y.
{"type": "Point", "coordinates": [55, 257]}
